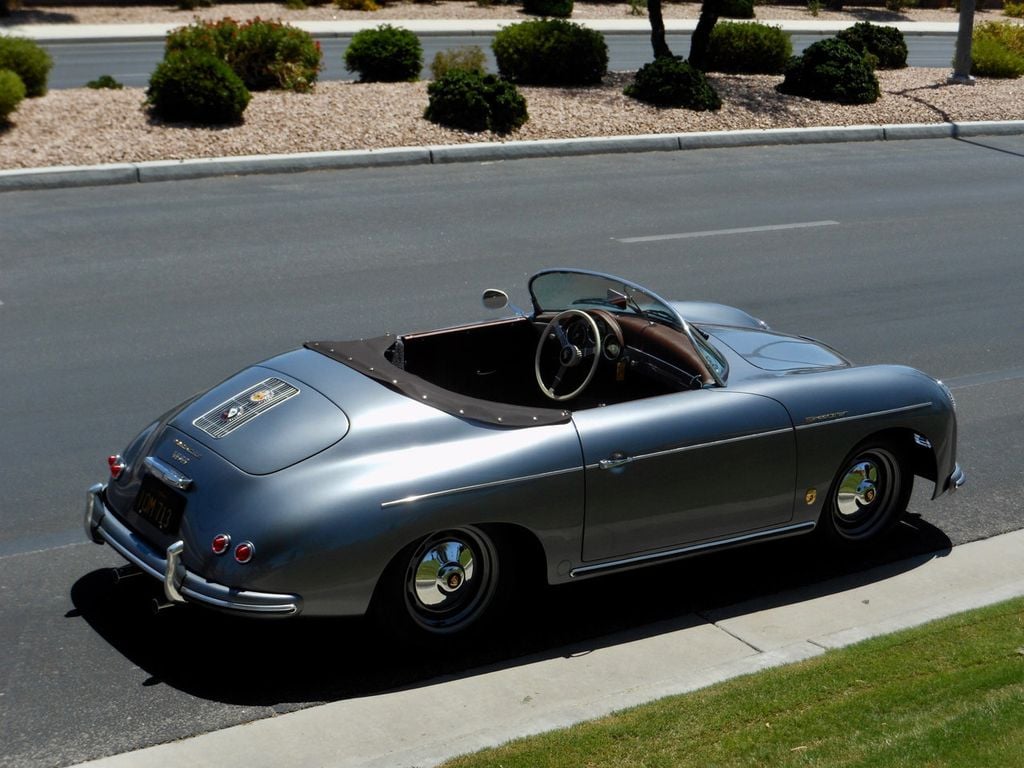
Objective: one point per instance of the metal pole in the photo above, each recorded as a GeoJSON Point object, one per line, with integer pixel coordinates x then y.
{"type": "Point", "coordinates": [962, 62]}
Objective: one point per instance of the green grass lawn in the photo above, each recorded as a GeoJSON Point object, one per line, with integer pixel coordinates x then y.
{"type": "Point", "coordinates": [950, 693]}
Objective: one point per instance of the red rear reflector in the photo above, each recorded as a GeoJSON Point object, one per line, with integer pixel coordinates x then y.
{"type": "Point", "coordinates": [244, 552]}
{"type": "Point", "coordinates": [220, 545]}
{"type": "Point", "coordinates": [117, 465]}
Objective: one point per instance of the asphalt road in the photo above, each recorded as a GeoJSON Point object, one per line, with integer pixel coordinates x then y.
{"type": "Point", "coordinates": [132, 63]}
{"type": "Point", "coordinates": [117, 302]}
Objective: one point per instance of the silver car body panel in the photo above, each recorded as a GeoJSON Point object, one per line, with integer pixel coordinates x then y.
{"type": "Point", "coordinates": [679, 485]}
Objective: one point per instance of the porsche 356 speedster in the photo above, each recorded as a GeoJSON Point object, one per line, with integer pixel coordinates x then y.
{"type": "Point", "coordinates": [605, 430]}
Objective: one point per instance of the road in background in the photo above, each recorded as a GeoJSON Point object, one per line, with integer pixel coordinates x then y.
{"type": "Point", "coordinates": [117, 302]}
{"type": "Point", "coordinates": [132, 63]}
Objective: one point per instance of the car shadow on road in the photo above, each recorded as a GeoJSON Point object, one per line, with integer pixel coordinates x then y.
{"type": "Point", "coordinates": [288, 665]}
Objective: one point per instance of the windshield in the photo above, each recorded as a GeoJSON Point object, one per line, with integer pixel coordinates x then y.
{"type": "Point", "coordinates": [555, 290]}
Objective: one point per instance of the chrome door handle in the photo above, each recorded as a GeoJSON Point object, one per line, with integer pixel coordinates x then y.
{"type": "Point", "coordinates": [615, 460]}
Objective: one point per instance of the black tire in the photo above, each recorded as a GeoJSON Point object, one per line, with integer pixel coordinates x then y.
{"type": "Point", "coordinates": [870, 491]}
{"type": "Point", "coordinates": [442, 585]}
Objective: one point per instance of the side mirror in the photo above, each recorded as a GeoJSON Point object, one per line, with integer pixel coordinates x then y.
{"type": "Point", "coordinates": [495, 299]}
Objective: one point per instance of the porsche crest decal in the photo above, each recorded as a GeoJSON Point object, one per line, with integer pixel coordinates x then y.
{"type": "Point", "coordinates": [244, 407]}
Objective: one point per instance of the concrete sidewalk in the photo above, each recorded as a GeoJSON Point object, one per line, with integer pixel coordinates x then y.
{"type": "Point", "coordinates": [402, 729]}
{"type": "Point", "coordinates": [81, 33]}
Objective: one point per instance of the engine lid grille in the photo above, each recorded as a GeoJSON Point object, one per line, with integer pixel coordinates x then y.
{"type": "Point", "coordinates": [244, 407]}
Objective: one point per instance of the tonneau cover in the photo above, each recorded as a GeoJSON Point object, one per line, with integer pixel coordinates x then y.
{"type": "Point", "coordinates": [367, 357]}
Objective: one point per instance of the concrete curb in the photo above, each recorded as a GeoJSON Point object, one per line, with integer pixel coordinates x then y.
{"type": "Point", "coordinates": [107, 33]}
{"type": "Point", "coordinates": [170, 170]}
{"type": "Point", "coordinates": [489, 707]}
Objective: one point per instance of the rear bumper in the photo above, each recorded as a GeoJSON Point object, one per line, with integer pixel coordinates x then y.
{"type": "Point", "coordinates": [180, 585]}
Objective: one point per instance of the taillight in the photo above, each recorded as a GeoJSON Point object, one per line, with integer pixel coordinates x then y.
{"type": "Point", "coordinates": [220, 544]}
{"type": "Point", "coordinates": [117, 465]}
{"type": "Point", "coordinates": [244, 552]}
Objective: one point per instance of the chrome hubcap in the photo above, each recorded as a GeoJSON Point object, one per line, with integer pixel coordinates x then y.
{"type": "Point", "coordinates": [443, 574]}
{"type": "Point", "coordinates": [858, 489]}
{"type": "Point", "coordinates": [451, 578]}
{"type": "Point", "coordinates": [868, 489]}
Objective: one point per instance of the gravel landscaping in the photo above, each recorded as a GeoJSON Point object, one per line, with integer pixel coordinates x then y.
{"type": "Point", "coordinates": [83, 127]}
{"type": "Point", "coordinates": [444, 9]}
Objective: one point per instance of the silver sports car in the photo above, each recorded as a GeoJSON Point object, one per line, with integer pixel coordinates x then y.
{"type": "Point", "coordinates": [606, 430]}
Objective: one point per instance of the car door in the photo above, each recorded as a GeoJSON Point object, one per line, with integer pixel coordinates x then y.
{"type": "Point", "coordinates": [683, 468]}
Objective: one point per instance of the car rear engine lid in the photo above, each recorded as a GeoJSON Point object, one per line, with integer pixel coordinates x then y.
{"type": "Point", "coordinates": [263, 421]}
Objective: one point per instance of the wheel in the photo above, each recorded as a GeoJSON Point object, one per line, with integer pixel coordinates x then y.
{"type": "Point", "coordinates": [578, 338]}
{"type": "Point", "coordinates": [449, 580]}
{"type": "Point", "coordinates": [869, 493]}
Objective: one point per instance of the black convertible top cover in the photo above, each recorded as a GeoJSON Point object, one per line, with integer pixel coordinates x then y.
{"type": "Point", "coordinates": [367, 357]}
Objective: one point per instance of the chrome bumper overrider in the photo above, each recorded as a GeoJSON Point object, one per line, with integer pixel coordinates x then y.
{"type": "Point", "coordinates": [180, 586]}
{"type": "Point", "coordinates": [957, 479]}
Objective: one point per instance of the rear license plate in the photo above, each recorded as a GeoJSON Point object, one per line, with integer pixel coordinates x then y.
{"type": "Point", "coordinates": [160, 505]}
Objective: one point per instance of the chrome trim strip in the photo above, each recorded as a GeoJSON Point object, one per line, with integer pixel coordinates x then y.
{"type": "Point", "coordinates": [479, 486]}
{"type": "Point", "coordinates": [872, 415]}
{"type": "Point", "coordinates": [167, 474]}
{"type": "Point", "coordinates": [691, 549]}
{"type": "Point", "coordinates": [698, 446]}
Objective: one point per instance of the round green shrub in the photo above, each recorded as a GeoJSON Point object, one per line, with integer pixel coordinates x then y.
{"type": "Point", "coordinates": [215, 37]}
{"type": "Point", "coordinates": [471, 101]}
{"type": "Point", "coordinates": [884, 43]}
{"type": "Point", "coordinates": [550, 52]}
{"type": "Point", "coordinates": [1007, 34]}
{"type": "Point", "coordinates": [269, 55]}
{"type": "Point", "coordinates": [990, 58]}
{"type": "Point", "coordinates": [1016, 10]}
{"type": "Point", "coordinates": [672, 82]}
{"type": "Point", "coordinates": [898, 6]}
{"type": "Point", "coordinates": [12, 91]}
{"type": "Point", "coordinates": [195, 87]}
{"type": "Point", "coordinates": [105, 82]}
{"type": "Point", "coordinates": [265, 54]}
{"type": "Point", "coordinates": [561, 9]}
{"type": "Point", "coordinates": [357, 5]}
{"type": "Point", "coordinates": [736, 9]}
{"type": "Point", "coordinates": [748, 47]}
{"type": "Point", "coordinates": [469, 58]}
{"type": "Point", "coordinates": [830, 70]}
{"type": "Point", "coordinates": [28, 61]}
{"type": "Point", "coordinates": [385, 54]}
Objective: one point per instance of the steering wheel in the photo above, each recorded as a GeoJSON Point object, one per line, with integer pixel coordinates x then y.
{"type": "Point", "coordinates": [578, 338]}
